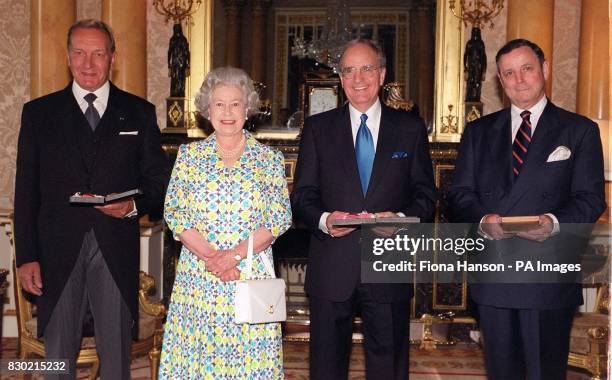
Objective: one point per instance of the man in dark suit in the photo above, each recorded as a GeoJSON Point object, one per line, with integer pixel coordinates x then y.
{"type": "Point", "coordinates": [530, 159]}
{"type": "Point", "coordinates": [90, 137]}
{"type": "Point", "coordinates": [361, 156]}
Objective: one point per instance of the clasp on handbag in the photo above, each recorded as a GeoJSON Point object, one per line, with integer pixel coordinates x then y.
{"type": "Point", "coordinates": [270, 309]}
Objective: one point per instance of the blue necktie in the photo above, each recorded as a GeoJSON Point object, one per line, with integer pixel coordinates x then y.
{"type": "Point", "coordinates": [364, 150]}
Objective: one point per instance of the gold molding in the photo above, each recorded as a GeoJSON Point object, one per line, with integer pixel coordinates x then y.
{"type": "Point", "coordinates": [280, 46]}
{"type": "Point", "coordinates": [449, 75]}
{"type": "Point", "coordinates": [443, 153]}
{"type": "Point", "coordinates": [449, 86]}
{"type": "Point", "coordinates": [438, 172]}
{"type": "Point", "coordinates": [199, 33]}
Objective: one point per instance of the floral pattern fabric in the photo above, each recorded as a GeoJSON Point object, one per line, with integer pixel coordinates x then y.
{"type": "Point", "coordinates": [201, 340]}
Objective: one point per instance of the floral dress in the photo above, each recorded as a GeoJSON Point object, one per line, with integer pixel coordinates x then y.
{"type": "Point", "coordinates": [201, 340]}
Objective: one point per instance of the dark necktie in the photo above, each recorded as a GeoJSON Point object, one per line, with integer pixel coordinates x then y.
{"type": "Point", "coordinates": [521, 143]}
{"type": "Point", "coordinates": [91, 113]}
{"type": "Point", "coordinates": [364, 150]}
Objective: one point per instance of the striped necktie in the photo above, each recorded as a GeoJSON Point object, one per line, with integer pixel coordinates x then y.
{"type": "Point", "coordinates": [91, 113]}
{"type": "Point", "coordinates": [521, 143]}
{"type": "Point", "coordinates": [364, 149]}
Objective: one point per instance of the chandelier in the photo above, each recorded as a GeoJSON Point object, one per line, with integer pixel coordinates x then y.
{"type": "Point", "coordinates": [177, 10]}
{"type": "Point", "coordinates": [477, 12]}
{"type": "Point", "coordinates": [327, 47]}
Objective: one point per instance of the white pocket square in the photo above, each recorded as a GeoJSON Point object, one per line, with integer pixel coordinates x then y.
{"type": "Point", "coordinates": [133, 133]}
{"type": "Point", "coordinates": [561, 153]}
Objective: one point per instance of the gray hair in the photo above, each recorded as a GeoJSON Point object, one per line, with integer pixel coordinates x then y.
{"type": "Point", "coordinates": [228, 76]}
{"type": "Point", "coordinates": [91, 23]}
{"type": "Point", "coordinates": [382, 60]}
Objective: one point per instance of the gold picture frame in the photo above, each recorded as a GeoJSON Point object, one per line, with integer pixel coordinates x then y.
{"type": "Point", "coordinates": [448, 123]}
{"type": "Point", "coordinates": [321, 99]}
{"type": "Point", "coordinates": [290, 169]}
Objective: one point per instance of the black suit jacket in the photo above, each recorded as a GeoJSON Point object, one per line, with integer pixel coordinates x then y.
{"type": "Point", "coordinates": [58, 156]}
{"type": "Point", "coordinates": [572, 190]}
{"type": "Point", "coordinates": [327, 179]}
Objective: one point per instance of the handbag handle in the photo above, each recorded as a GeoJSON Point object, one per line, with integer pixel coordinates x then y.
{"type": "Point", "coordinates": [264, 259]}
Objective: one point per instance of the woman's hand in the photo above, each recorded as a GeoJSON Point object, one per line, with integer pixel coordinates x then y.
{"type": "Point", "coordinates": [231, 275]}
{"type": "Point", "coordinates": [221, 262]}
{"type": "Point", "coordinates": [195, 243]}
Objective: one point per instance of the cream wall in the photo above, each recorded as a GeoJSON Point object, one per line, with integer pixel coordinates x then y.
{"type": "Point", "coordinates": [565, 56]}
{"type": "Point", "coordinates": [14, 86]}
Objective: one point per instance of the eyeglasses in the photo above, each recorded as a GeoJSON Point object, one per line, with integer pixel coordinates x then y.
{"type": "Point", "coordinates": [367, 70]}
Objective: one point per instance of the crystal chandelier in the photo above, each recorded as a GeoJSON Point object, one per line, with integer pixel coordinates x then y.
{"type": "Point", "coordinates": [327, 47]}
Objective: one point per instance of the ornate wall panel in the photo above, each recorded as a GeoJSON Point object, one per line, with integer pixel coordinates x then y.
{"type": "Point", "coordinates": [14, 86]}
{"type": "Point", "coordinates": [492, 97]}
{"type": "Point", "coordinates": [158, 82]}
{"type": "Point", "coordinates": [89, 9]}
{"type": "Point", "coordinates": [565, 53]}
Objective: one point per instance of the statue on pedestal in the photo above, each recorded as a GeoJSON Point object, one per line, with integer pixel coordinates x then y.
{"type": "Point", "coordinates": [475, 65]}
{"type": "Point", "coordinates": [178, 62]}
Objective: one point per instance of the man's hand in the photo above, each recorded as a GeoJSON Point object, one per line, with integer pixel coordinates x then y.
{"type": "Point", "coordinates": [491, 226]}
{"type": "Point", "coordinates": [118, 209]}
{"type": "Point", "coordinates": [386, 214]}
{"type": "Point", "coordinates": [541, 232]}
{"type": "Point", "coordinates": [337, 231]}
{"type": "Point", "coordinates": [29, 275]}
{"type": "Point", "coordinates": [385, 231]}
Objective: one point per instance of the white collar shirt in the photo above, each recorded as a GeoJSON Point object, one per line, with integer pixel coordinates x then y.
{"type": "Point", "coordinates": [536, 112]}
{"type": "Point", "coordinates": [373, 121]}
{"type": "Point", "coordinates": [101, 93]}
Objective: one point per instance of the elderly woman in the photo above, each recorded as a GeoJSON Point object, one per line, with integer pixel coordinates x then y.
{"type": "Point", "coordinates": [222, 190]}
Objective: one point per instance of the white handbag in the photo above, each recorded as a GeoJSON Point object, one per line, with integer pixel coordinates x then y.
{"type": "Point", "coordinates": [259, 301]}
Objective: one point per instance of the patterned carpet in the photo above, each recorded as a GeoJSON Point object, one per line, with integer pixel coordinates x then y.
{"type": "Point", "coordinates": [460, 362]}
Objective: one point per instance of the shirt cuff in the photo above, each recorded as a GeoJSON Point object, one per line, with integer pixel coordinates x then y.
{"type": "Point", "coordinates": [134, 211]}
{"type": "Point", "coordinates": [322, 222]}
{"type": "Point", "coordinates": [556, 227]}
{"type": "Point", "coordinates": [481, 231]}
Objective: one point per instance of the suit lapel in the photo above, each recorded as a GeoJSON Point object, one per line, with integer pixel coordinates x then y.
{"type": "Point", "coordinates": [71, 123]}
{"type": "Point", "coordinates": [110, 124]}
{"type": "Point", "coordinates": [542, 142]}
{"type": "Point", "coordinates": [499, 138]}
{"type": "Point", "coordinates": [342, 136]}
{"type": "Point", "coordinates": [384, 149]}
